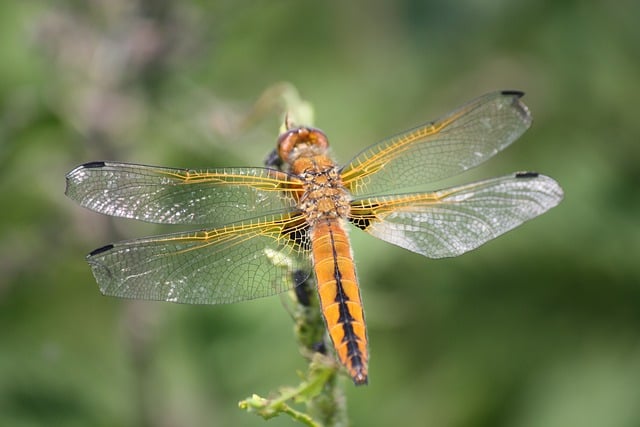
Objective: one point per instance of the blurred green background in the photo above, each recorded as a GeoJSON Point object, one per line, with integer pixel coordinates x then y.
{"type": "Point", "coordinates": [540, 327]}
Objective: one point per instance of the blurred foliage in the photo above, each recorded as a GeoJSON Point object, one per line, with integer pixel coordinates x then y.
{"type": "Point", "coordinates": [538, 328]}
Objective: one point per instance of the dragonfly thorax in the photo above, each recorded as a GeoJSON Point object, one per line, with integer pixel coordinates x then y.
{"type": "Point", "coordinates": [324, 194]}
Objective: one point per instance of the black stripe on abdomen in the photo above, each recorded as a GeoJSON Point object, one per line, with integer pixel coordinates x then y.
{"type": "Point", "coordinates": [345, 318]}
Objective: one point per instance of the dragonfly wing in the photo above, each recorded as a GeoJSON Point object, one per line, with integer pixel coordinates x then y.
{"type": "Point", "coordinates": [453, 221]}
{"type": "Point", "coordinates": [461, 140]}
{"type": "Point", "coordinates": [216, 266]}
{"type": "Point", "coordinates": [180, 196]}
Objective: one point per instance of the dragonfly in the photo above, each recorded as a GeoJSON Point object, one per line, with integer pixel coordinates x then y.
{"type": "Point", "coordinates": [259, 227]}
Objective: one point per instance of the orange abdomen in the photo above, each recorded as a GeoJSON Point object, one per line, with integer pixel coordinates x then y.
{"type": "Point", "coordinates": [340, 295]}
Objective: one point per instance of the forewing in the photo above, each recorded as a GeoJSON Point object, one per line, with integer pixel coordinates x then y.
{"type": "Point", "coordinates": [463, 139]}
{"type": "Point", "coordinates": [453, 221]}
{"type": "Point", "coordinates": [224, 265]}
{"type": "Point", "coordinates": [181, 196]}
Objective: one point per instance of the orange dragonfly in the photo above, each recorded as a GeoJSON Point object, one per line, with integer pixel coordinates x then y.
{"type": "Point", "coordinates": [262, 225]}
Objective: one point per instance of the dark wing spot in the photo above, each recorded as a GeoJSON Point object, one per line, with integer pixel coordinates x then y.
{"type": "Point", "coordinates": [100, 250]}
{"type": "Point", "coordinates": [362, 214]}
{"type": "Point", "coordinates": [299, 237]}
{"type": "Point", "coordinates": [517, 93]}
{"type": "Point", "coordinates": [361, 223]}
{"type": "Point", "coordinates": [527, 175]}
{"type": "Point", "coordinates": [94, 165]}
{"type": "Point", "coordinates": [296, 231]}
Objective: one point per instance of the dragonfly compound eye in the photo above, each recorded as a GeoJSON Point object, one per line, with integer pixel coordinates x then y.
{"type": "Point", "coordinates": [301, 141]}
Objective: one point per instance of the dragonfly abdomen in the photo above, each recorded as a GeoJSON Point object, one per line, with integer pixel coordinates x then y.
{"type": "Point", "coordinates": [340, 296]}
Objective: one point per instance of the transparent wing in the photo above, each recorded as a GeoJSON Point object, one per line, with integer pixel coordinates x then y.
{"type": "Point", "coordinates": [181, 196]}
{"type": "Point", "coordinates": [453, 221]}
{"type": "Point", "coordinates": [463, 139]}
{"type": "Point", "coordinates": [223, 265]}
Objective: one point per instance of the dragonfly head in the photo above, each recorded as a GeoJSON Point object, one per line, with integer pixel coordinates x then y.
{"type": "Point", "coordinates": [301, 142]}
